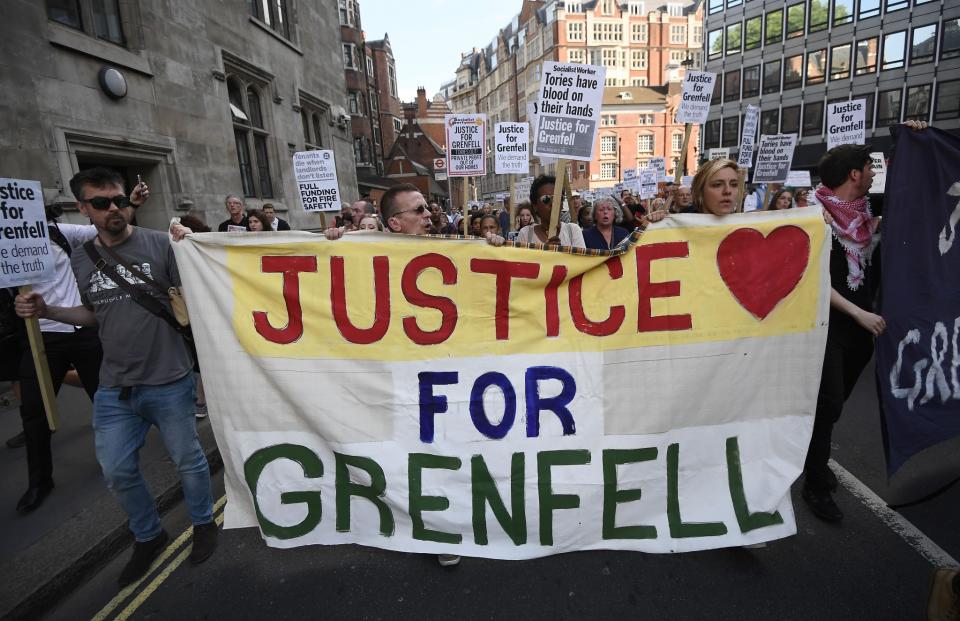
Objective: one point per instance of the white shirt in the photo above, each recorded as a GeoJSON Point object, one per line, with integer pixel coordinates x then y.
{"type": "Point", "coordinates": [275, 223]}
{"type": "Point", "coordinates": [63, 290]}
{"type": "Point", "coordinates": [570, 235]}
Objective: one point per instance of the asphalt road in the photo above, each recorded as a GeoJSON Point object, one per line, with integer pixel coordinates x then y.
{"type": "Point", "coordinates": [862, 568]}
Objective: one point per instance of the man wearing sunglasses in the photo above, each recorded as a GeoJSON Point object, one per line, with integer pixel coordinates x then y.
{"type": "Point", "coordinates": [146, 376]}
{"type": "Point", "coordinates": [403, 210]}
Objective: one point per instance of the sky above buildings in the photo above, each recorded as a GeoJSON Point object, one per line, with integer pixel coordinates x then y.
{"type": "Point", "coordinates": [428, 36]}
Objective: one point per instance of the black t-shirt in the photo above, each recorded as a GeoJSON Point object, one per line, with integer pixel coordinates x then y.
{"type": "Point", "coordinates": [843, 327]}
{"type": "Point", "coordinates": [223, 225]}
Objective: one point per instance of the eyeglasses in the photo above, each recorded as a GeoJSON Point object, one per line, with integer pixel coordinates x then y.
{"type": "Point", "coordinates": [419, 210]}
{"type": "Point", "coordinates": [102, 203]}
{"type": "Point", "coordinates": [546, 199]}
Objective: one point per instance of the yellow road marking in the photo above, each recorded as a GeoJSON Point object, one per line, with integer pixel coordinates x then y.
{"type": "Point", "coordinates": [160, 560]}
{"type": "Point", "coordinates": [158, 580]}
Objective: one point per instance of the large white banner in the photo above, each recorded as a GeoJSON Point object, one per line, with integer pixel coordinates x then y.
{"type": "Point", "coordinates": [445, 396]}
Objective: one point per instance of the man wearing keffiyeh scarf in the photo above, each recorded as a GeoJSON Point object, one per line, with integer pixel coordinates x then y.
{"type": "Point", "coordinates": [846, 176]}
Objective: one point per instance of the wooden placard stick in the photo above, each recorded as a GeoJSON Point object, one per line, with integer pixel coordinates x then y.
{"type": "Point", "coordinates": [513, 204]}
{"type": "Point", "coordinates": [323, 221]}
{"type": "Point", "coordinates": [741, 189]}
{"type": "Point", "coordinates": [678, 173]}
{"type": "Point", "coordinates": [466, 208]}
{"type": "Point", "coordinates": [39, 353]}
{"type": "Point", "coordinates": [559, 185]}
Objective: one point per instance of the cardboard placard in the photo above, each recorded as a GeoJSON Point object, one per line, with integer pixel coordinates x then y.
{"type": "Point", "coordinates": [695, 100]}
{"type": "Point", "coordinates": [511, 148]}
{"type": "Point", "coordinates": [846, 123]}
{"type": "Point", "coordinates": [722, 153]}
{"type": "Point", "coordinates": [569, 110]}
{"type": "Point", "coordinates": [316, 174]}
{"type": "Point", "coordinates": [648, 182]}
{"type": "Point", "coordinates": [466, 143]}
{"type": "Point", "coordinates": [25, 256]}
{"type": "Point", "coordinates": [798, 179]}
{"type": "Point", "coordinates": [774, 158]}
{"type": "Point", "coordinates": [878, 163]}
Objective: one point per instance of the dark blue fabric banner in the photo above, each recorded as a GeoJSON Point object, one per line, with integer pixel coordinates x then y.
{"type": "Point", "coordinates": [918, 361]}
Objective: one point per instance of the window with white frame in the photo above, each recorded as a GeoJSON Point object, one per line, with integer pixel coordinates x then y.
{"type": "Point", "coordinates": [608, 144]}
{"type": "Point", "coordinates": [698, 35]}
{"type": "Point", "coordinates": [608, 170]}
{"type": "Point", "coordinates": [638, 33]}
{"type": "Point", "coordinates": [609, 58]}
{"type": "Point", "coordinates": [676, 142]}
{"type": "Point", "coordinates": [392, 76]}
{"type": "Point", "coordinates": [573, 7]}
{"type": "Point", "coordinates": [678, 33]}
{"type": "Point", "coordinates": [638, 81]}
{"type": "Point", "coordinates": [677, 56]}
{"type": "Point", "coordinates": [397, 124]}
{"type": "Point", "coordinates": [575, 31]}
{"type": "Point", "coordinates": [347, 12]}
{"type": "Point", "coordinates": [638, 59]}
{"type": "Point", "coordinates": [350, 58]}
{"type": "Point", "coordinates": [645, 119]}
{"type": "Point", "coordinates": [607, 7]}
{"type": "Point", "coordinates": [575, 55]}
{"type": "Point", "coordinates": [608, 119]}
{"type": "Point", "coordinates": [635, 7]}
{"type": "Point", "coordinates": [643, 163]}
{"type": "Point", "coordinates": [645, 143]}
{"type": "Point", "coordinates": [273, 13]}
{"type": "Point", "coordinates": [675, 10]}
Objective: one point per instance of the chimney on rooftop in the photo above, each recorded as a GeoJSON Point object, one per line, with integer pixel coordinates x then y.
{"type": "Point", "coordinates": [421, 102]}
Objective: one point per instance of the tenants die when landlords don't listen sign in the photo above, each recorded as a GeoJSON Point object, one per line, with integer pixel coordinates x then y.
{"type": "Point", "coordinates": [570, 100]}
{"type": "Point", "coordinates": [316, 174]}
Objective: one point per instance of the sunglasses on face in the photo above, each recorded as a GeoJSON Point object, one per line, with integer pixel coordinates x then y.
{"type": "Point", "coordinates": [419, 210]}
{"type": "Point", "coordinates": [102, 203]}
{"type": "Point", "coordinates": [546, 199]}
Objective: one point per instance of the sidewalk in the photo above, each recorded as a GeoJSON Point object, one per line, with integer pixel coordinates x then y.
{"type": "Point", "coordinates": [80, 527]}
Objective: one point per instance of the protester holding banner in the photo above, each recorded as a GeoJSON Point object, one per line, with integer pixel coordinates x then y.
{"type": "Point", "coordinates": [604, 235]}
{"type": "Point", "coordinates": [846, 176]}
{"type": "Point", "coordinates": [146, 377]}
{"type": "Point", "coordinates": [541, 197]}
{"type": "Point", "coordinates": [714, 187]}
{"type": "Point", "coordinates": [237, 219]}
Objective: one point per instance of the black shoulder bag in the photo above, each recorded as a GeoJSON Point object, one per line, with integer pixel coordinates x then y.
{"type": "Point", "coordinates": [141, 297]}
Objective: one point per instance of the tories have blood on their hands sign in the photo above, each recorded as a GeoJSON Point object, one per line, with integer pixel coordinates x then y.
{"type": "Point", "coordinates": [571, 96]}
{"type": "Point", "coordinates": [491, 409]}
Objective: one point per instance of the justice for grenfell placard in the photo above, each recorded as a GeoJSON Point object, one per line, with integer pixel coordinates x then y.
{"type": "Point", "coordinates": [25, 257]}
{"type": "Point", "coordinates": [570, 99]}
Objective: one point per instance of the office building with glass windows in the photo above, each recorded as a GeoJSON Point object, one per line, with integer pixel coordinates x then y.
{"type": "Point", "coordinates": [793, 58]}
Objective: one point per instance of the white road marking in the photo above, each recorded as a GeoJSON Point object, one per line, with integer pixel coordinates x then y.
{"type": "Point", "coordinates": [937, 556]}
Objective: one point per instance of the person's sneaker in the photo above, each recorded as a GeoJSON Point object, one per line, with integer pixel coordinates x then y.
{"type": "Point", "coordinates": [201, 410]}
{"type": "Point", "coordinates": [822, 505]}
{"type": "Point", "coordinates": [448, 560]}
{"type": "Point", "coordinates": [17, 441]}
{"type": "Point", "coordinates": [144, 552]}
{"type": "Point", "coordinates": [204, 542]}
{"type": "Point", "coordinates": [944, 601]}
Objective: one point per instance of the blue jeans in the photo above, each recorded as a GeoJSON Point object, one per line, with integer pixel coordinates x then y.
{"type": "Point", "coordinates": [120, 428]}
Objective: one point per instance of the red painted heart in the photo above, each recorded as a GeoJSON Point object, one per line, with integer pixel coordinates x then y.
{"type": "Point", "coordinates": [761, 271]}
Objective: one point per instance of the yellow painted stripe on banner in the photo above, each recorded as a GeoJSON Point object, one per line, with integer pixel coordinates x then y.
{"type": "Point", "coordinates": [172, 547]}
{"type": "Point", "coordinates": [716, 314]}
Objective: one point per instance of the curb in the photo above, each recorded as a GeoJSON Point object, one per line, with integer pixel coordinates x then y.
{"type": "Point", "coordinates": [42, 575]}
